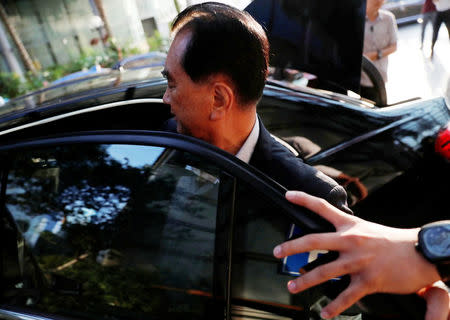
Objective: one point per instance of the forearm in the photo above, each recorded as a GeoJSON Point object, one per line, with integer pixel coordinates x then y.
{"type": "Point", "coordinates": [389, 50]}
{"type": "Point", "coordinates": [377, 55]}
{"type": "Point", "coordinates": [424, 273]}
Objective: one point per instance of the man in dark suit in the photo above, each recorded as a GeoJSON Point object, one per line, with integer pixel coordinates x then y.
{"type": "Point", "coordinates": [216, 69]}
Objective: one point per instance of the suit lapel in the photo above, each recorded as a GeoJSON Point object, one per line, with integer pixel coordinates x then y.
{"type": "Point", "coordinates": [262, 155]}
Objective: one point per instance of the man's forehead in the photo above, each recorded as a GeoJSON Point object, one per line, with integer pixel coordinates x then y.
{"type": "Point", "coordinates": [176, 53]}
{"type": "Point", "coordinates": [181, 40]}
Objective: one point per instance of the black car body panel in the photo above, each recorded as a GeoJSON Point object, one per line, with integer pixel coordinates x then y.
{"type": "Point", "coordinates": [384, 158]}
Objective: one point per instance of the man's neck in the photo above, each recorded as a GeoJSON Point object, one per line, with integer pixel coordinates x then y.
{"type": "Point", "coordinates": [230, 136]}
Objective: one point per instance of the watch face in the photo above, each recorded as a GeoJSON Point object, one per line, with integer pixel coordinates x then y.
{"type": "Point", "coordinates": [437, 240]}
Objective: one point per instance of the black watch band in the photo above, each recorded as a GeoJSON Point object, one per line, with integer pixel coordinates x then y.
{"type": "Point", "coordinates": [444, 272]}
{"type": "Point", "coordinates": [434, 245]}
{"type": "Point", "coordinates": [379, 54]}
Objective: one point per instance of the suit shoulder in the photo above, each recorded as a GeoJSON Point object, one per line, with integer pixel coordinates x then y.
{"type": "Point", "coordinates": [294, 174]}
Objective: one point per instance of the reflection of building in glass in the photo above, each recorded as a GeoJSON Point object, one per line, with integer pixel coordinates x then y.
{"type": "Point", "coordinates": [95, 205]}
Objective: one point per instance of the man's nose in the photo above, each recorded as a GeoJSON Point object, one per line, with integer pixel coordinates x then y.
{"type": "Point", "coordinates": [166, 97]}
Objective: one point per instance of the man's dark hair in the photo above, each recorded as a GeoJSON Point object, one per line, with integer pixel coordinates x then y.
{"type": "Point", "coordinates": [225, 40]}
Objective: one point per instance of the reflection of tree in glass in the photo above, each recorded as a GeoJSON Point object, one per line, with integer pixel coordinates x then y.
{"type": "Point", "coordinates": [103, 204]}
{"type": "Point", "coordinates": [34, 196]}
{"type": "Point", "coordinates": [98, 205]}
{"type": "Point", "coordinates": [106, 291]}
{"type": "Point", "coordinates": [39, 175]}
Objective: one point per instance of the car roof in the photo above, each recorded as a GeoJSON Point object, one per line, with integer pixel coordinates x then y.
{"type": "Point", "coordinates": [102, 84]}
{"type": "Point", "coordinates": [95, 69]}
{"type": "Point", "coordinates": [149, 55]}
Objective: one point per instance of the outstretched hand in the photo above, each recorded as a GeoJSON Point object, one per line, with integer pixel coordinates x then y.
{"type": "Point", "coordinates": [377, 258]}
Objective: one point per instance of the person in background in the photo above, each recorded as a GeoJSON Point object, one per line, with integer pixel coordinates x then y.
{"type": "Point", "coordinates": [442, 16]}
{"type": "Point", "coordinates": [377, 258]}
{"type": "Point", "coordinates": [428, 16]}
{"type": "Point", "coordinates": [380, 40]}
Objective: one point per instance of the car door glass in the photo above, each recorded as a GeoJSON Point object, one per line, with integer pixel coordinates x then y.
{"type": "Point", "coordinates": [112, 230]}
{"type": "Point", "coordinates": [310, 128]}
{"type": "Point", "coordinates": [258, 283]}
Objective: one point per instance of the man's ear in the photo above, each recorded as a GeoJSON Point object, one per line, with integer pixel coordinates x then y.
{"type": "Point", "coordinates": [223, 100]}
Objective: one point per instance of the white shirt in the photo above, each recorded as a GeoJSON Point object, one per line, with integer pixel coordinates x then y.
{"type": "Point", "coordinates": [442, 5]}
{"type": "Point", "coordinates": [246, 151]}
{"type": "Point", "coordinates": [378, 35]}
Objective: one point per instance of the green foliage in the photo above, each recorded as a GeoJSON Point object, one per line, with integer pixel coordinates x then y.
{"type": "Point", "coordinates": [107, 290]}
{"type": "Point", "coordinates": [52, 261]}
{"type": "Point", "coordinates": [157, 42]}
{"type": "Point", "coordinates": [35, 81]}
{"type": "Point", "coordinates": [11, 85]}
{"type": "Point", "coordinates": [177, 5]}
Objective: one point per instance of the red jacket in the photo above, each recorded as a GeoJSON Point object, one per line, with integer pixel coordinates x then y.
{"type": "Point", "coordinates": [428, 6]}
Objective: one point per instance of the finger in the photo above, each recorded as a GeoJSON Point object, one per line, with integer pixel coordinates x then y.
{"type": "Point", "coordinates": [437, 303]}
{"type": "Point", "coordinates": [344, 300]}
{"type": "Point", "coordinates": [319, 206]}
{"type": "Point", "coordinates": [321, 274]}
{"type": "Point", "coordinates": [310, 242]}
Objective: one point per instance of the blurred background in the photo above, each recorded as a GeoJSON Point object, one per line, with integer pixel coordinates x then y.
{"type": "Point", "coordinates": [49, 41]}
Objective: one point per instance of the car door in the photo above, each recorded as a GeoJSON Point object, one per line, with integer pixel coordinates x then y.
{"type": "Point", "coordinates": [134, 225]}
{"type": "Point", "coordinates": [99, 227]}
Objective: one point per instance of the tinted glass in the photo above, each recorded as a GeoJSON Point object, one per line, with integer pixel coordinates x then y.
{"type": "Point", "coordinates": [112, 230]}
{"type": "Point", "coordinates": [311, 128]}
{"type": "Point", "coordinates": [255, 272]}
{"type": "Point", "coordinates": [258, 279]}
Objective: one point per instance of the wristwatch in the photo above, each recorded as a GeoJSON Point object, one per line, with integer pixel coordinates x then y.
{"type": "Point", "coordinates": [434, 245]}
{"type": "Point", "coordinates": [379, 54]}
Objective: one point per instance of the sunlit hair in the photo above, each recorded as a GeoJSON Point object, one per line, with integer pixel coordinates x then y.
{"type": "Point", "coordinates": [225, 40]}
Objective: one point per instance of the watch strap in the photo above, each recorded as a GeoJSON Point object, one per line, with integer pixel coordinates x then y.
{"type": "Point", "coordinates": [379, 54]}
{"type": "Point", "coordinates": [442, 263]}
{"type": "Point", "coordinates": [444, 271]}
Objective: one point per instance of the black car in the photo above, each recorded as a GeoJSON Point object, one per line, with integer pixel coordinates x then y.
{"type": "Point", "coordinates": [405, 11]}
{"type": "Point", "coordinates": [107, 216]}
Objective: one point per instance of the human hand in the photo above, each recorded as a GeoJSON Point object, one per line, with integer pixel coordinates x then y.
{"type": "Point", "coordinates": [438, 301]}
{"type": "Point", "coordinates": [377, 258]}
{"type": "Point", "coordinates": [372, 55]}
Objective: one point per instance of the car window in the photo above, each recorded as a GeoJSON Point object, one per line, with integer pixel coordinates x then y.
{"type": "Point", "coordinates": [258, 279]}
{"type": "Point", "coordinates": [112, 231]}
{"type": "Point", "coordinates": [309, 129]}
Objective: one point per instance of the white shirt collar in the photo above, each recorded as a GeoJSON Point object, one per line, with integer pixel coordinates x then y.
{"type": "Point", "coordinates": [246, 151]}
